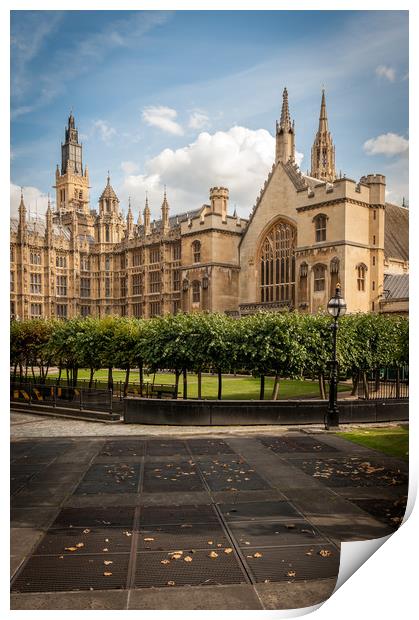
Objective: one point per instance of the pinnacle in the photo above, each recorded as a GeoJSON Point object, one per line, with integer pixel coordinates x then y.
{"type": "Point", "coordinates": [285, 122]}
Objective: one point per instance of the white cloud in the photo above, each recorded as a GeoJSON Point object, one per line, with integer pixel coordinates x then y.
{"type": "Point", "coordinates": [129, 167]}
{"type": "Point", "coordinates": [198, 120]}
{"type": "Point", "coordinates": [163, 118]}
{"type": "Point", "coordinates": [239, 159]}
{"type": "Point", "coordinates": [388, 144]}
{"type": "Point", "coordinates": [386, 72]}
{"type": "Point", "coordinates": [35, 201]}
{"type": "Point", "coordinates": [104, 130]}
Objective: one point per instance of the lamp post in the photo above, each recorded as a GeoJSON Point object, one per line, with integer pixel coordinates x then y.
{"type": "Point", "coordinates": [336, 308]}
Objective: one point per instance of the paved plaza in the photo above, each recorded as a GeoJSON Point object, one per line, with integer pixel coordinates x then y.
{"type": "Point", "coordinates": [119, 517]}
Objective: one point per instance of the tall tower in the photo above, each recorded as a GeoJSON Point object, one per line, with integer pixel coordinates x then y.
{"type": "Point", "coordinates": [71, 181]}
{"type": "Point", "coordinates": [323, 150]}
{"type": "Point", "coordinates": [285, 134]}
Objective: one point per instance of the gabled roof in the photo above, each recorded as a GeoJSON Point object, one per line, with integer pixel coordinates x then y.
{"type": "Point", "coordinates": [38, 226]}
{"type": "Point", "coordinates": [396, 232]}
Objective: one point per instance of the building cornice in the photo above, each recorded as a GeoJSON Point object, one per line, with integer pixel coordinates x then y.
{"type": "Point", "coordinates": [343, 199]}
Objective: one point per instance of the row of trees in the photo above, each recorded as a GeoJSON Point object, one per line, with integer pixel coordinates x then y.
{"type": "Point", "coordinates": [280, 344]}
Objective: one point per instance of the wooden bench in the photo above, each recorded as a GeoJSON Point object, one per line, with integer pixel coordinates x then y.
{"type": "Point", "coordinates": [161, 391]}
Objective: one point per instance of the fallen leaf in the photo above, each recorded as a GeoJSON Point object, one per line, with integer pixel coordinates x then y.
{"type": "Point", "coordinates": [213, 554]}
{"type": "Point", "coordinates": [228, 550]}
{"type": "Point", "coordinates": [148, 539]}
{"type": "Point", "coordinates": [107, 574]}
{"type": "Point", "coordinates": [86, 531]}
{"type": "Point", "coordinates": [210, 542]}
{"type": "Point", "coordinates": [105, 549]}
{"type": "Point", "coordinates": [188, 558]}
{"type": "Point", "coordinates": [257, 555]}
{"type": "Point", "coordinates": [186, 525]}
{"type": "Point", "coordinates": [107, 562]}
{"type": "Point", "coordinates": [164, 561]}
{"type": "Point", "coordinates": [291, 573]}
{"type": "Point", "coordinates": [71, 548]}
{"type": "Point", "coordinates": [170, 583]}
{"type": "Point", "coordinates": [325, 553]}
{"type": "Point", "coordinates": [80, 545]}
{"type": "Point", "coordinates": [176, 556]}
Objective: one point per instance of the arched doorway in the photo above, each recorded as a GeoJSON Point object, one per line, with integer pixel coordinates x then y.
{"type": "Point", "coordinates": [277, 264]}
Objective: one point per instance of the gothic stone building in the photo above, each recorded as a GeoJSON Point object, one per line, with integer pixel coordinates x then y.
{"type": "Point", "coordinates": [306, 233]}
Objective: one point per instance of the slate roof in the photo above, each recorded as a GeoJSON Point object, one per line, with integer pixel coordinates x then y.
{"type": "Point", "coordinates": [396, 286]}
{"type": "Point", "coordinates": [38, 225]}
{"type": "Point", "coordinates": [396, 232]}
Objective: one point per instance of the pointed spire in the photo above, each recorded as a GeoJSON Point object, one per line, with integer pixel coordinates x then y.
{"type": "Point", "coordinates": [146, 216]}
{"type": "Point", "coordinates": [323, 123]}
{"type": "Point", "coordinates": [285, 134]}
{"type": "Point", "coordinates": [285, 121]}
{"type": "Point", "coordinates": [323, 150]}
{"type": "Point", "coordinates": [108, 181]}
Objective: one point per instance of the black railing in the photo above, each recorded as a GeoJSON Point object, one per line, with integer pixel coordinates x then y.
{"type": "Point", "coordinates": [384, 383]}
{"type": "Point", "coordinates": [62, 396]}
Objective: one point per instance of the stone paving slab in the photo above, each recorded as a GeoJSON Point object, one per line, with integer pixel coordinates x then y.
{"type": "Point", "coordinates": [47, 483]}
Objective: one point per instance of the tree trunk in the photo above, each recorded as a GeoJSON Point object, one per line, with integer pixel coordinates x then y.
{"type": "Point", "coordinates": [126, 381]}
{"type": "Point", "coordinates": [59, 374]}
{"type": "Point", "coordinates": [110, 378]}
{"type": "Point", "coordinates": [177, 373]}
{"type": "Point", "coordinates": [275, 390]}
{"type": "Point", "coordinates": [397, 382]}
{"type": "Point", "coordinates": [355, 382]}
{"type": "Point", "coordinates": [365, 385]}
{"type": "Point", "coordinates": [199, 384]}
{"type": "Point", "coordinates": [14, 373]}
{"type": "Point", "coordinates": [75, 375]}
{"type": "Point", "coordinates": [220, 383]}
{"type": "Point", "coordinates": [377, 380]}
{"type": "Point", "coordinates": [185, 383]}
{"type": "Point", "coordinates": [92, 372]}
{"type": "Point", "coordinates": [20, 372]}
{"type": "Point", "coordinates": [322, 386]}
{"type": "Point", "coordinates": [68, 375]}
{"type": "Point", "coordinates": [140, 369]}
{"type": "Point", "coordinates": [262, 388]}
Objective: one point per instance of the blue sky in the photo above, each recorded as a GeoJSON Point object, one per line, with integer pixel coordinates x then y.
{"type": "Point", "coordinates": [189, 99]}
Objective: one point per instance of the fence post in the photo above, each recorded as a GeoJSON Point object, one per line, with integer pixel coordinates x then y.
{"type": "Point", "coordinates": [111, 397]}
{"type": "Point", "coordinates": [54, 388]}
{"type": "Point", "coordinates": [81, 399]}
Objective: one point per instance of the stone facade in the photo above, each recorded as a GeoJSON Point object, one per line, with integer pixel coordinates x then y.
{"type": "Point", "coordinates": [305, 234]}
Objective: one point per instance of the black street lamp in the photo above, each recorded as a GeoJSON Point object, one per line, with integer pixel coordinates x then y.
{"type": "Point", "coordinates": [337, 308]}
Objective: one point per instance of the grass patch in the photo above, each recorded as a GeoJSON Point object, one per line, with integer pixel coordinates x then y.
{"type": "Point", "coordinates": [391, 440]}
{"type": "Point", "coordinates": [234, 388]}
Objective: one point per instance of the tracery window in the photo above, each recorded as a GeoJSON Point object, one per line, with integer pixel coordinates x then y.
{"type": "Point", "coordinates": [320, 227]}
{"type": "Point", "coordinates": [319, 277]}
{"type": "Point", "coordinates": [196, 251]}
{"type": "Point", "coordinates": [361, 272]}
{"type": "Point", "coordinates": [196, 292]}
{"type": "Point", "coordinates": [277, 263]}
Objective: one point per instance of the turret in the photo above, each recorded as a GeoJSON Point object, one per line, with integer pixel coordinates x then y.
{"type": "Point", "coordinates": [323, 150]}
{"type": "Point", "coordinates": [130, 221]}
{"type": "Point", "coordinates": [219, 201]}
{"type": "Point", "coordinates": [165, 212]}
{"type": "Point", "coordinates": [146, 217]}
{"type": "Point", "coordinates": [285, 134]}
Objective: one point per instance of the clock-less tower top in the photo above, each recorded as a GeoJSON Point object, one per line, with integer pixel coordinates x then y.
{"type": "Point", "coordinates": [71, 150]}
{"type": "Point", "coordinates": [323, 150]}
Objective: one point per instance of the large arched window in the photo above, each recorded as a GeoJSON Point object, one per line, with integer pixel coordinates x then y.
{"type": "Point", "coordinates": [277, 263]}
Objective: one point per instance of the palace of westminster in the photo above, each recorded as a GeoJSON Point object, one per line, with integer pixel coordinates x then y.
{"type": "Point", "coordinates": [306, 233]}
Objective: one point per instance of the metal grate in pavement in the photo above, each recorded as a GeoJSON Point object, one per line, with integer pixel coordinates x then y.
{"type": "Point", "coordinates": [274, 533]}
{"type": "Point", "coordinates": [295, 444]}
{"type": "Point", "coordinates": [77, 541]}
{"type": "Point", "coordinates": [184, 536]}
{"type": "Point", "coordinates": [231, 474]}
{"type": "Point", "coordinates": [171, 515]}
{"type": "Point", "coordinates": [292, 563]}
{"type": "Point", "coordinates": [123, 448]}
{"type": "Point", "coordinates": [169, 447]}
{"type": "Point", "coordinates": [387, 511]}
{"type": "Point", "coordinates": [178, 476]}
{"type": "Point", "coordinates": [202, 570]}
{"type": "Point", "coordinates": [353, 472]}
{"type": "Point", "coordinates": [209, 446]}
{"type": "Point", "coordinates": [252, 511]}
{"type": "Point", "coordinates": [72, 573]}
{"type": "Point", "coordinates": [95, 517]}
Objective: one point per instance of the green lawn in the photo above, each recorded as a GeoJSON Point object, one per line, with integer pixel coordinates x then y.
{"type": "Point", "coordinates": [235, 388]}
{"type": "Point", "coordinates": [392, 440]}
